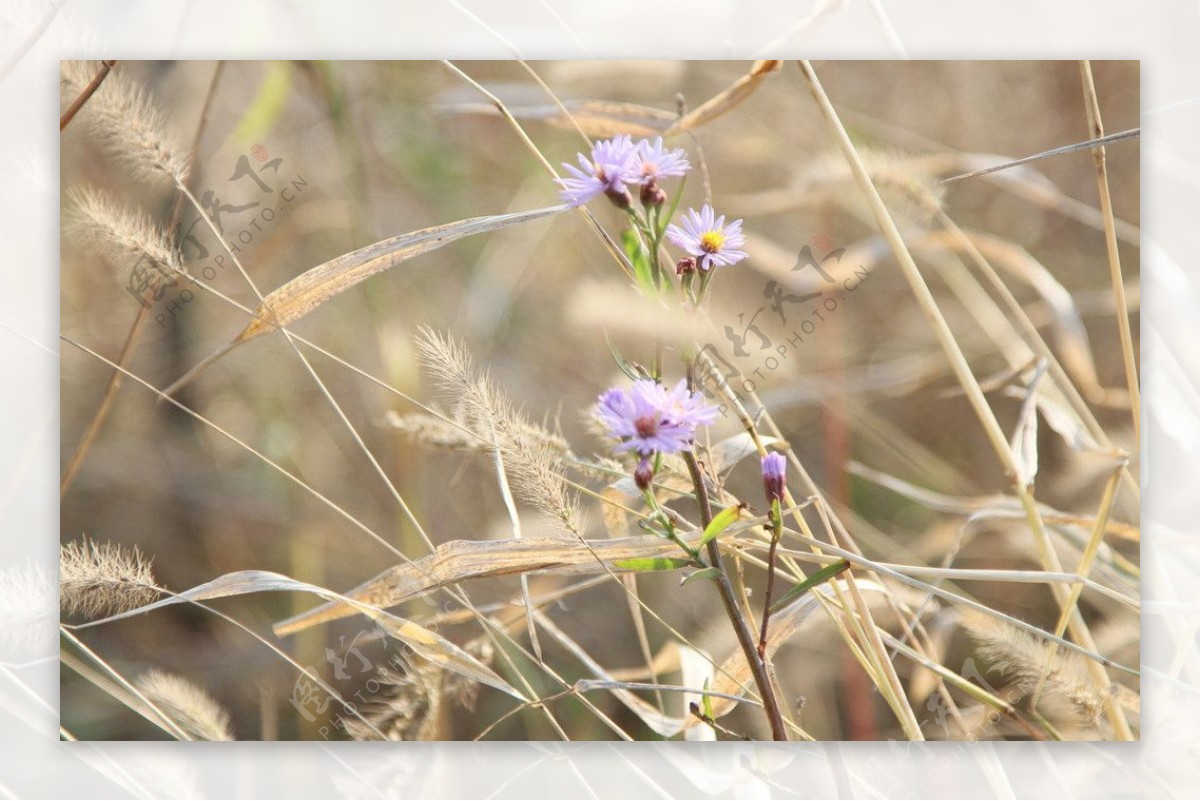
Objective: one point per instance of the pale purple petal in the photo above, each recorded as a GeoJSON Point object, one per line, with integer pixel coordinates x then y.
{"type": "Point", "coordinates": [647, 418]}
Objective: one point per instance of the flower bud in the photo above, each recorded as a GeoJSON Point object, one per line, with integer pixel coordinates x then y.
{"type": "Point", "coordinates": [643, 475]}
{"type": "Point", "coordinates": [653, 194]}
{"type": "Point", "coordinates": [774, 472]}
{"type": "Point", "coordinates": [685, 266]}
{"type": "Point", "coordinates": [620, 197]}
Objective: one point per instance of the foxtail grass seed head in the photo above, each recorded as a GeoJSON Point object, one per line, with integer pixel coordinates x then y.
{"type": "Point", "coordinates": [1068, 692]}
{"type": "Point", "coordinates": [706, 237]}
{"type": "Point", "coordinates": [28, 619]}
{"type": "Point", "coordinates": [122, 232]}
{"type": "Point", "coordinates": [613, 164]}
{"type": "Point", "coordinates": [190, 707]}
{"type": "Point", "coordinates": [774, 476]}
{"type": "Point", "coordinates": [128, 123]}
{"type": "Point", "coordinates": [103, 579]}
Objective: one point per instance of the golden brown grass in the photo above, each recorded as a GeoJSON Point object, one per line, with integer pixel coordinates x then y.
{"type": "Point", "coordinates": [412, 452]}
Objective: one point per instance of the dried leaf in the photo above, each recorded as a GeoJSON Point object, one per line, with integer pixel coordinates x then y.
{"type": "Point", "coordinates": [310, 289]}
{"type": "Point", "coordinates": [599, 119]}
{"type": "Point", "coordinates": [716, 106]}
{"type": "Point", "coordinates": [431, 646]}
{"type": "Point", "coordinates": [1070, 334]}
{"type": "Point", "coordinates": [461, 560]}
{"type": "Point", "coordinates": [731, 450]}
{"type": "Point", "coordinates": [1024, 438]}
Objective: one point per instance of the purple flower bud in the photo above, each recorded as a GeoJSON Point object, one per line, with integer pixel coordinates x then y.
{"type": "Point", "coordinates": [685, 266]}
{"type": "Point", "coordinates": [653, 194]}
{"type": "Point", "coordinates": [774, 475]}
{"type": "Point", "coordinates": [620, 197]}
{"type": "Point", "coordinates": [643, 475]}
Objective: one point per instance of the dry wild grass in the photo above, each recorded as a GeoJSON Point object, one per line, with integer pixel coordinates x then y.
{"type": "Point", "coordinates": [957, 534]}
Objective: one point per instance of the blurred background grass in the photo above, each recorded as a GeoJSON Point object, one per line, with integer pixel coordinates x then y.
{"type": "Point", "coordinates": [375, 149]}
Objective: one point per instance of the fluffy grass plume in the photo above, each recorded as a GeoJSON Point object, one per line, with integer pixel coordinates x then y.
{"type": "Point", "coordinates": [100, 579]}
{"type": "Point", "coordinates": [189, 706]}
{"type": "Point", "coordinates": [120, 231]}
{"type": "Point", "coordinates": [27, 617]}
{"type": "Point", "coordinates": [532, 455]}
{"type": "Point", "coordinates": [1068, 692]}
{"type": "Point", "coordinates": [128, 123]}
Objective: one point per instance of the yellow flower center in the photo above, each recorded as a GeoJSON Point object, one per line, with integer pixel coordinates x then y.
{"type": "Point", "coordinates": [711, 241]}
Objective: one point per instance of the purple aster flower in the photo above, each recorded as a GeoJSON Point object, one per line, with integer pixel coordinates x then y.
{"type": "Point", "coordinates": [708, 238]}
{"type": "Point", "coordinates": [649, 418]}
{"type": "Point", "coordinates": [774, 476]}
{"type": "Point", "coordinates": [656, 161]}
{"type": "Point", "coordinates": [613, 164]}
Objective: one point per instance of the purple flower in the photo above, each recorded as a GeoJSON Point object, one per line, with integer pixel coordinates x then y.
{"type": "Point", "coordinates": [613, 164]}
{"type": "Point", "coordinates": [649, 418]}
{"type": "Point", "coordinates": [655, 161]}
{"type": "Point", "coordinates": [774, 476]}
{"type": "Point", "coordinates": [708, 238]}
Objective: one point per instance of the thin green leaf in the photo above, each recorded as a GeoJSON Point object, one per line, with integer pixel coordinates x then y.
{"type": "Point", "coordinates": [622, 363]}
{"type": "Point", "coordinates": [722, 521]}
{"type": "Point", "coordinates": [707, 699]}
{"type": "Point", "coordinates": [706, 573]}
{"type": "Point", "coordinates": [267, 105]}
{"type": "Point", "coordinates": [652, 564]}
{"type": "Point", "coordinates": [820, 577]}
{"type": "Point", "coordinates": [637, 257]}
{"type": "Point", "coordinates": [664, 221]}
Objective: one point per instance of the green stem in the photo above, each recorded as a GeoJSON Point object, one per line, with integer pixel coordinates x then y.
{"type": "Point", "coordinates": [741, 628]}
{"type": "Point", "coordinates": [669, 526]}
{"type": "Point", "coordinates": [776, 534]}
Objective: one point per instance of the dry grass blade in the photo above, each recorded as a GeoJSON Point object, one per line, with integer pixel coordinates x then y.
{"type": "Point", "coordinates": [1024, 438]}
{"type": "Point", "coordinates": [86, 94]}
{"type": "Point", "coordinates": [997, 505]}
{"type": "Point", "coordinates": [962, 370]}
{"type": "Point", "coordinates": [461, 560]}
{"type": "Point", "coordinates": [1096, 125]}
{"type": "Point", "coordinates": [1070, 332]}
{"type": "Point", "coordinates": [309, 290]}
{"type": "Point", "coordinates": [719, 104]}
{"type": "Point", "coordinates": [316, 286]}
{"type": "Point", "coordinates": [1091, 144]}
{"type": "Point", "coordinates": [599, 119]}
{"type": "Point", "coordinates": [425, 643]}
